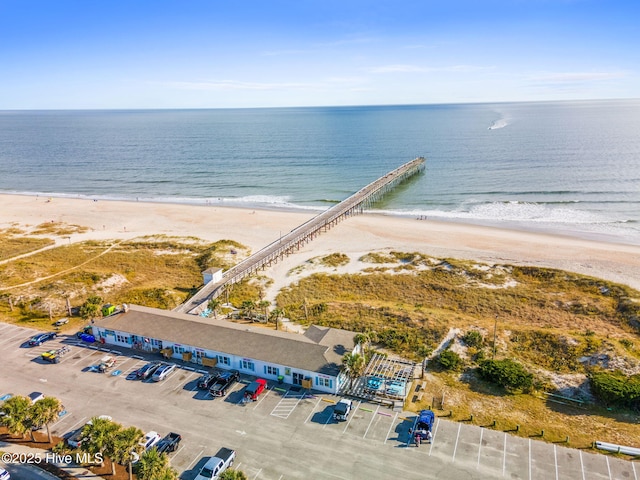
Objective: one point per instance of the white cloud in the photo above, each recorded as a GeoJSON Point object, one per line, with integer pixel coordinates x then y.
{"type": "Point", "coordinates": [264, 86]}
{"type": "Point", "coordinates": [403, 68]}
{"type": "Point", "coordinates": [576, 77]}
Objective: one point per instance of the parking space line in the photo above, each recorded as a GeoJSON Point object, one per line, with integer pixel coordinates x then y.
{"type": "Point", "coordinates": [633, 467]}
{"type": "Point", "coordinates": [60, 420]}
{"type": "Point", "coordinates": [286, 405]}
{"type": "Point", "coordinates": [177, 452]}
{"type": "Point", "coordinates": [455, 448]}
{"type": "Point", "coordinates": [10, 339]}
{"type": "Point", "coordinates": [608, 466]}
{"type": "Point", "coordinates": [313, 410]}
{"type": "Point", "coordinates": [196, 458]}
{"type": "Point", "coordinates": [351, 418]}
{"type": "Point", "coordinates": [480, 446]}
{"type": "Point", "coordinates": [529, 459]}
{"type": "Point", "coordinates": [181, 383]}
{"type": "Point", "coordinates": [390, 427]}
{"type": "Point", "coordinates": [581, 464]}
{"type": "Point", "coordinates": [555, 457]}
{"type": "Point", "coordinates": [256, 476]}
{"type": "Point", "coordinates": [83, 357]}
{"type": "Point", "coordinates": [504, 457]}
{"type": "Point", "coordinates": [77, 424]}
{"type": "Point", "coordinates": [433, 439]}
{"type": "Point", "coordinates": [370, 422]}
{"type": "Point", "coordinates": [263, 397]}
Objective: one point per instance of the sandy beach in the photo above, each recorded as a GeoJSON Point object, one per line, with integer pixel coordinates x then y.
{"type": "Point", "coordinates": [354, 236]}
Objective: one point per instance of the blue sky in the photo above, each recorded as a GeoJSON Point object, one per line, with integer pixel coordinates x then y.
{"type": "Point", "coordinates": [76, 54]}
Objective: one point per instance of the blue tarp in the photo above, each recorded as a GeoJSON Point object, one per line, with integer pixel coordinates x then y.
{"type": "Point", "coordinates": [85, 337]}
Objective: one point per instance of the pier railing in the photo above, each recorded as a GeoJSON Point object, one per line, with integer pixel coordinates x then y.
{"type": "Point", "coordinates": [302, 234]}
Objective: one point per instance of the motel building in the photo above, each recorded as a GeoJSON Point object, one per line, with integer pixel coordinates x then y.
{"type": "Point", "coordinates": [311, 360]}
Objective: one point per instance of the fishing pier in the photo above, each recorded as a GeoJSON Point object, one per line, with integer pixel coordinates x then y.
{"type": "Point", "coordinates": [302, 234]}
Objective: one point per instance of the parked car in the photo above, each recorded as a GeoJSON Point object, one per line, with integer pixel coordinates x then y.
{"type": "Point", "coordinates": [422, 426]}
{"type": "Point", "coordinates": [75, 440]}
{"type": "Point", "coordinates": [35, 396]}
{"type": "Point", "coordinates": [62, 321]}
{"type": "Point", "coordinates": [169, 443]}
{"type": "Point", "coordinates": [163, 372]}
{"type": "Point", "coordinates": [53, 356]}
{"type": "Point", "coordinates": [147, 370]}
{"type": "Point", "coordinates": [254, 389]}
{"type": "Point", "coordinates": [223, 383]}
{"type": "Point", "coordinates": [216, 465]}
{"type": "Point", "coordinates": [205, 381]}
{"type": "Point", "coordinates": [106, 363]}
{"type": "Point", "coordinates": [342, 409]}
{"type": "Point", "coordinates": [147, 442]}
{"type": "Point", "coordinates": [39, 339]}
{"type": "Point", "coordinates": [4, 475]}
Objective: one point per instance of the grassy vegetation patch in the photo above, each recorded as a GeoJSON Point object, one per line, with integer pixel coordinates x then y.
{"type": "Point", "coordinates": [58, 229]}
{"type": "Point", "coordinates": [153, 271]}
{"type": "Point", "coordinates": [13, 245]}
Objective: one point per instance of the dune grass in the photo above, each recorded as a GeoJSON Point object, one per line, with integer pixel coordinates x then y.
{"type": "Point", "coordinates": [153, 271]}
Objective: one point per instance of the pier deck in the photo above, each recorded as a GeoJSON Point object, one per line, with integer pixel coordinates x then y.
{"type": "Point", "coordinates": [299, 236]}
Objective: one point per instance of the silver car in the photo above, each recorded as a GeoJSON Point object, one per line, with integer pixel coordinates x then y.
{"type": "Point", "coordinates": [163, 372]}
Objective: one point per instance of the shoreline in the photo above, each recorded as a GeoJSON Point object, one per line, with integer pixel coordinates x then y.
{"type": "Point", "coordinates": [355, 236]}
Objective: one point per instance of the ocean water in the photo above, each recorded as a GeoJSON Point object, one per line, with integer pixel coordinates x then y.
{"type": "Point", "coordinates": [566, 167]}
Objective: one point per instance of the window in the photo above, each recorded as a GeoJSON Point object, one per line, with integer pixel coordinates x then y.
{"type": "Point", "coordinates": [247, 365]}
{"type": "Point", "coordinates": [224, 360]}
{"type": "Point", "coordinates": [122, 338]}
{"type": "Point", "coordinates": [269, 370]}
{"type": "Point", "coordinates": [324, 382]}
{"type": "Point", "coordinates": [178, 349]}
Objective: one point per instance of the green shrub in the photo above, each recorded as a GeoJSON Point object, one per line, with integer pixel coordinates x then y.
{"type": "Point", "coordinates": [473, 338]}
{"type": "Point", "coordinates": [449, 360]}
{"type": "Point", "coordinates": [507, 373]}
{"type": "Point", "coordinates": [615, 388]}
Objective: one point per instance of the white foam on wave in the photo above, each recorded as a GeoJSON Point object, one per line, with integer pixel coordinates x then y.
{"type": "Point", "coordinates": [514, 211]}
{"type": "Point", "coordinates": [499, 124]}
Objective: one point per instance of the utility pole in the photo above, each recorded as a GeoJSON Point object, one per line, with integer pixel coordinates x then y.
{"type": "Point", "coordinates": [495, 330]}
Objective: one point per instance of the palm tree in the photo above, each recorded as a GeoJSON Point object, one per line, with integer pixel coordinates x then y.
{"type": "Point", "coordinates": [233, 475]}
{"type": "Point", "coordinates": [126, 448]}
{"type": "Point", "coordinates": [99, 436]}
{"type": "Point", "coordinates": [364, 339]}
{"type": "Point", "coordinates": [152, 465]}
{"type": "Point", "coordinates": [353, 366]}
{"type": "Point", "coordinates": [277, 314]}
{"type": "Point", "coordinates": [17, 413]}
{"type": "Point", "coordinates": [167, 473]}
{"type": "Point", "coordinates": [45, 412]}
{"type": "Point", "coordinates": [213, 305]}
{"type": "Point", "coordinates": [265, 304]}
{"type": "Point", "coordinates": [248, 306]}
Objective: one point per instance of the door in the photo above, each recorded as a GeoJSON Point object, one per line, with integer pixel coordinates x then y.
{"type": "Point", "coordinates": [297, 378]}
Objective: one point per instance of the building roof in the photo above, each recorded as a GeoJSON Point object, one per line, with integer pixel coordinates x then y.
{"type": "Point", "coordinates": [319, 350]}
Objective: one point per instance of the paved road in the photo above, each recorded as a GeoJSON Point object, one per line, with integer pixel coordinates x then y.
{"type": "Point", "coordinates": [286, 434]}
{"type": "Point", "coordinates": [26, 472]}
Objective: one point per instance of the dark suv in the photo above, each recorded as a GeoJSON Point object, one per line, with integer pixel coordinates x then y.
{"type": "Point", "coordinates": [205, 381]}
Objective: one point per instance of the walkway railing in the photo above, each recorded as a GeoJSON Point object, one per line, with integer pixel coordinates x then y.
{"type": "Point", "coordinates": [302, 234]}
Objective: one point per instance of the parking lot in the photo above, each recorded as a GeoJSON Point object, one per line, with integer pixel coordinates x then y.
{"type": "Point", "coordinates": [287, 433]}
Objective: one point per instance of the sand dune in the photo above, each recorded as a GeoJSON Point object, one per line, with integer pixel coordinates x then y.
{"type": "Point", "coordinates": [354, 236]}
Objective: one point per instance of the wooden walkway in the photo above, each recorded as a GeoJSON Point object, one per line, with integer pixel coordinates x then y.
{"type": "Point", "coordinates": [299, 236]}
